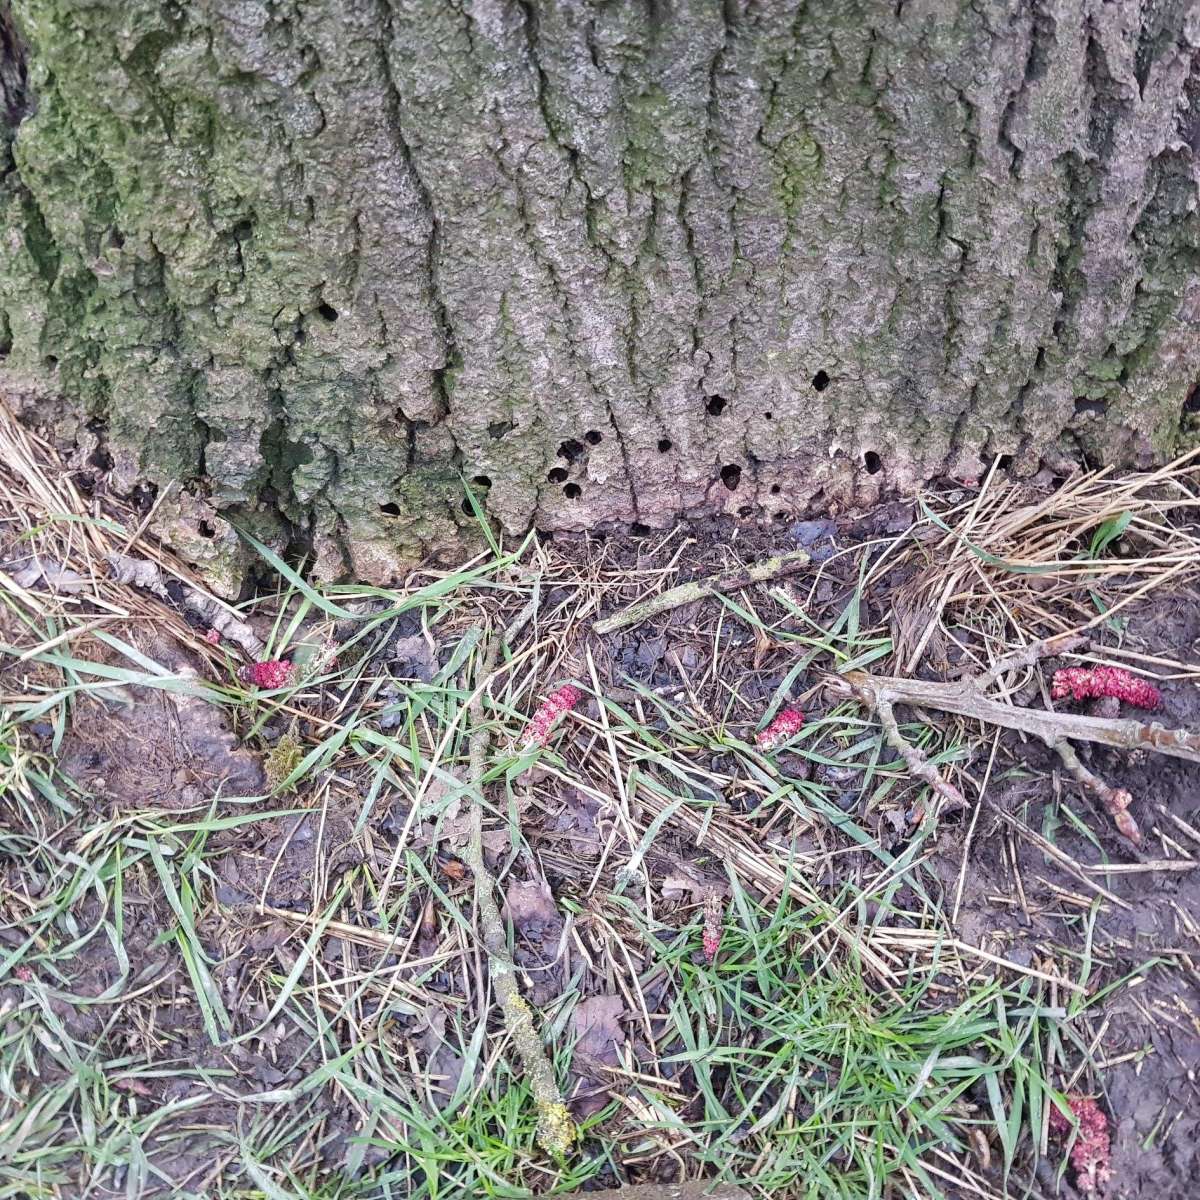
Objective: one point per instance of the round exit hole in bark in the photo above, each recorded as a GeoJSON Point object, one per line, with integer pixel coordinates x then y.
{"type": "Point", "coordinates": [390, 509]}
{"type": "Point", "coordinates": [715, 405]}
{"type": "Point", "coordinates": [664, 444]}
{"type": "Point", "coordinates": [570, 450]}
{"type": "Point", "coordinates": [482, 482]}
{"type": "Point", "coordinates": [872, 462]}
{"type": "Point", "coordinates": [572, 491]}
{"type": "Point", "coordinates": [731, 476]}
{"type": "Point", "coordinates": [593, 437]}
{"type": "Point", "coordinates": [327, 312]}
{"type": "Point", "coordinates": [557, 475]}
{"type": "Point", "coordinates": [820, 381]}
{"type": "Point", "coordinates": [143, 495]}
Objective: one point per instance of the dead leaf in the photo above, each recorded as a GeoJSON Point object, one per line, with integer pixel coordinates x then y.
{"type": "Point", "coordinates": [538, 927]}
{"type": "Point", "coordinates": [427, 930]}
{"type": "Point", "coordinates": [444, 821]}
{"type": "Point", "coordinates": [496, 842]}
{"type": "Point", "coordinates": [54, 575]}
{"type": "Point", "coordinates": [268, 935]}
{"type": "Point", "coordinates": [763, 646]}
{"type": "Point", "coordinates": [529, 905]}
{"type": "Point", "coordinates": [577, 818]}
{"type": "Point", "coordinates": [443, 1064]}
{"type": "Point", "coordinates": [688, 882]}
{"type": "Point", "coordinates": [446, 782]}
{"type": "Point", "coordinates": [452, 868]}
{"type": "Point", "coordinates": [596, 1022]}
{"type": "Point", "coordinates": [429, 925]}
{"type": "Point", "coordinates": [411, 658]}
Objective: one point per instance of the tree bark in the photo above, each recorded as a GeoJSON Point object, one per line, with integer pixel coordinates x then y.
{"type": "Point", "coordinates": [618, 261]}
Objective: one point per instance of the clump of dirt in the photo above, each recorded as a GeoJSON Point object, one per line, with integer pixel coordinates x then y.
{"type": "Point", "coordinates": [131, 744]}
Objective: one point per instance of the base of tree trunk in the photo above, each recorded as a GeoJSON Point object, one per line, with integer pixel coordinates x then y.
{"type": "Point", "coordinates": [318, 263]}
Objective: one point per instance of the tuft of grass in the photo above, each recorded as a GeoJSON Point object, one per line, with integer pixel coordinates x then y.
{"type": "Point", "coordinates": [812, 1084]}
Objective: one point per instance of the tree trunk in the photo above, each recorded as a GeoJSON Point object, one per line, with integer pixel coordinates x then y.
{"type": "Point", "coordinates": [617, 261]}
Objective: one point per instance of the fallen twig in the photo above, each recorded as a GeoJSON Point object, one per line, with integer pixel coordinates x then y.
{"type": "Point", "coordinates": [915, 759]}
{"type": "Point", "coordinates": [965, 697]}
{"type": "Point", "coordinates": [1116, 801]}
{"type": "Point", "coordinates": [770, 568]}
{"type": "Point", "coordinates": [556, 1129]}
{"type": "Point", "coordinates": [1062, 643]}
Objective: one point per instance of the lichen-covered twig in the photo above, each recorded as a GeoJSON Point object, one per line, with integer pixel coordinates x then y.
{"type": "Point", "coordinates": [762, 572]}
{"type": "Point", "coordinates": [556, 1129]}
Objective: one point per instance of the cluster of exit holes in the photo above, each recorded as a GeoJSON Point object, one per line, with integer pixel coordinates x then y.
{"type": "Point", "coordinates": [572, 450]}
{"type": "Point", "coordinates": [731, 473]}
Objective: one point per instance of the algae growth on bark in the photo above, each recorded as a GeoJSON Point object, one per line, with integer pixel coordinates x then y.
{"type": "Point", "coordinates": [615, 261]}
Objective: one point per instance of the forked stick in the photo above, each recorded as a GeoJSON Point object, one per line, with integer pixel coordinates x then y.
{"type": "Point", "coordinates": [965, 697]}
{"type": "Point", "coordinates": [918, 764]}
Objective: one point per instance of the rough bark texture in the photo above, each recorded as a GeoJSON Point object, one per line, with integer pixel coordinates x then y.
{"type": "Point", "coordinates": [622, 259]}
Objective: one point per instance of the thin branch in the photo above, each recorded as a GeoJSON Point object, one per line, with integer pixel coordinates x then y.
{"type": "Point", "coordinates": [963, 698]}
{"type": "Point", "coordinates": [1062, 643]}
{"type": "Point", "coordinates": [1116, 801]}
{"type": "Point", "coordinates": [917, 763]}
{"type": "Point", "coordinates": [556, 1129]}
{"type": "Point", "coordinates": [770, 568]}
